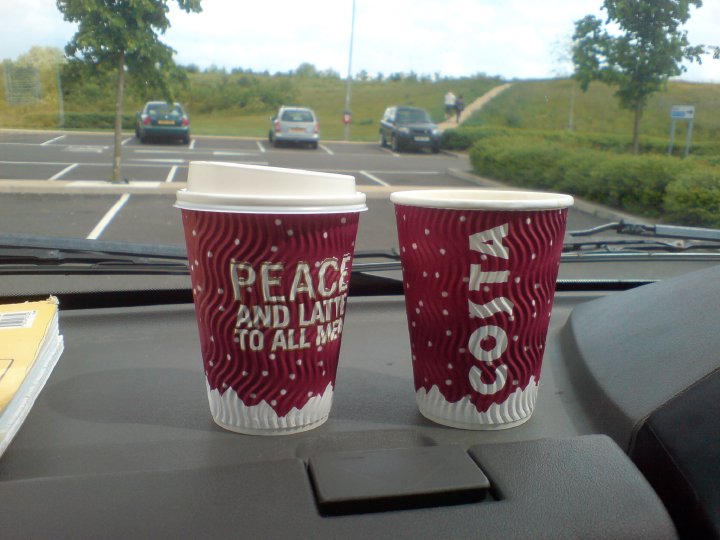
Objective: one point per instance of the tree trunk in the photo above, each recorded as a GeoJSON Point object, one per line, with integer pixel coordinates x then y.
{"type": "Point", "coordinates": [636, 128]}
{"type": "Point", "coordinates": [117, 152]}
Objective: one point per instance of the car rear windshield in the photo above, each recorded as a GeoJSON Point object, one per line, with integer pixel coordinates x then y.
{"type": "Point", "coordinates": [412, 116]}
{"type": "Point", "coordinates": [297, 116]}
{"type": "Point", "coordinates": [164, 108]}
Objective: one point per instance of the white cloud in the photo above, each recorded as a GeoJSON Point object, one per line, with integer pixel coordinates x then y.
{"type": "Point", "coordinates": [510, 38]}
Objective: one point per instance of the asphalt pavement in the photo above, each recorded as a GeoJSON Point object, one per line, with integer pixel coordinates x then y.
{"type": "Point", "coordinates": [57, 183]}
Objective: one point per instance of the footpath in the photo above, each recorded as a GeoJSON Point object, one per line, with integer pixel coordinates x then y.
{"type": "Point", "coordinates": [475, 106]}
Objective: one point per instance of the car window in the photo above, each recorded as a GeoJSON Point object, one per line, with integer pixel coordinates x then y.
{"type": "Point", "coordinates": [411, 116]}
{"type": "Point", "coordinates": [297, 116]}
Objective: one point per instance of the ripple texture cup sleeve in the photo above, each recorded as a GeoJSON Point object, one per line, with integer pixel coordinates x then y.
{"type": "Point", "coordinates": [479, 283]}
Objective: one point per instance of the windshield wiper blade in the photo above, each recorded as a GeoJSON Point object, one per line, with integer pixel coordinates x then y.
{"type": "Point", "coordinates": [658, 231]}
{"type": "Point", "coordinates": [22, 254]}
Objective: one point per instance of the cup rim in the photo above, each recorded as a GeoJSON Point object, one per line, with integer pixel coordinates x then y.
{"type": "Point", "coordinates": [482, 199]}
{"type": "Point", "coordinates": [259, 204]}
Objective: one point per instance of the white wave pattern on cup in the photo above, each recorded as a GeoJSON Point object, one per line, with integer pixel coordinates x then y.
{"type": "Point", "coordinates": [229, 411]}
{"type": "Point", "coordinates": [516, 409]}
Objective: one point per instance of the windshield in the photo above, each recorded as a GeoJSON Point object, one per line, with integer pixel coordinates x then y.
{"type": "Point", "coordinates": [95, 140]}
{"type": "Point", "coordinates": [412, 116]}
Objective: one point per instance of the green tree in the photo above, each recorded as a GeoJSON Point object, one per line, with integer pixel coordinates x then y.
{"type": "Point", "coordinates": [648, 51]}
{"type": "Point", "coordinates": [122, 36]}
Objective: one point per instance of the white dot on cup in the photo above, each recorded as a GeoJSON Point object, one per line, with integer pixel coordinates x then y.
{"type": "Point", "coordinates": [228, 357]}
{"type": "Point", "coordinates": [462, 218]}
{"type": "Point", "coordinates": [533, 256]}
{"type": "Point", "coordinates": [309, 394]}
{"type": "Point", "coordinates": [450, 366]}
{"type": "Point", "coordinates": [343, 220]}
{"type": "Point", "coordinates": [271, 356]}
{"type": "Point", "coordinates": [486, 289]}
{"type": "Point", "coordinates": [517, 280]}
{"type": "Point", "coordinates": [320, 363]}
{"type": "Point", "coordinates": [283, 392]}
{"type": "Point", "coordinates": [209, 254]}
{"type": "Point", "coordinates": [427, 232]}
{"type": "Point", "coordinates": [221, 308]}
{"type": "Point", "coordinates": [265, 373]}
{"type": "Point", "coordinates": [220, 290]}
{"type": "Point", "coordinates": [462, 350]}
{"type": "Point", "coordinates": [425, 274]}
{"type": "Point", "coordinates": [273, 402]}
{"type": "Point", "coordinates": [429, 343]}
{"type": "Point", "coordinates": [528, 221]}
{"type": "Point", "coordinates": [273, 248]}
{"type": "Point", "coordinates": [448, 332]}
{"type": "Point", "coordinates": [237, 241]}
{"type": "Point", "coordinates": [298, 362]}
{"type": "Point", "coordinates": [445, 312]}
{"type": "Point", "coordinates": [417, 310]}
{"type": "Point", "coordinates": [444, 294]}
{"type": "Point", "coordinates": [325, 234]}
{"type": "Point", "coordinates": [414, 246]}
{"type": "Point", "coordinates": [194, 232]}
{"type": "Point", "coordinates": [211, 363]}
{"type": "Point", "coordinates": [515, 338]}
{"type": "Point", "coordinates": [420, 303]}
{"type": "Point", "coordinates": [290, 232]}
{"type": "Point", "coordinates": [442, 251]}
{"type": "Point", "coordinates": [292, 376]}
{"type": "Point", "coordinates": [278, 222]}
{"type": "Point", "coordinates": [448, 382]}
{"type": "Point", "coordinates": [253, 396]}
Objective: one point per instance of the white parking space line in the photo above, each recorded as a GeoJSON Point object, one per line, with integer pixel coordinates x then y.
{"type": "Point", "coordinates": [327, 149]}
{"type": "Point", "coordinates": [63, 172]}
{"type": "Point", "coordinates": [374, 178]}
{"type": "Point", "coordinates": [171, 174]}
{"type": "Point", "coordinates": [53, 140]}
{"type": "Point", "coordinates": [126, 141]}
{"type": "Point", "coordinates": [108, 217]}
{"type": "Point", "coordinates": [230, 153]}
{"type": "Point", "coordinates": [160, 160]}
{"type": "Point", "coordinates": [192, 144]}
{"type": "Point", "coordinates": [260, 146]}
{"type": "Point", "coordinates": [163, 151]}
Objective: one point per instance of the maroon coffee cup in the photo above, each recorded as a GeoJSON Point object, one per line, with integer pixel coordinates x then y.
{"type": "Point", "coordinates": [270, 254]}
{"type": "Point", "coordinates": [479, 271]}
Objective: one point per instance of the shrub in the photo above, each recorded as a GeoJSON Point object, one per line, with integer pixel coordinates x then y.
{"type": "Point", "coordinates": [97, 120]}
{"type": "Point", "coordinates": [694, 199]}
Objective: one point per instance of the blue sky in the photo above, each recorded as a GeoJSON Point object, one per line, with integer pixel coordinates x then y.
{"type": "Point", "coordinates": [509, 38]}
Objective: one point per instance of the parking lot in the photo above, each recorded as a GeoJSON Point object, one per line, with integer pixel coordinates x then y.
{"type": "Point", "coordinates": [57, 183]}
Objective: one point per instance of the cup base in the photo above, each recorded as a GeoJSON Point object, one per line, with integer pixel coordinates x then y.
{"type": "Point", "coordinates": [270, 431]}
{"type": "Point", "coordinates": [470, 425]}
{"type": "Point", "coordinates": [231, 413]}
{"type": "Point", "coordinates": [462, 414]}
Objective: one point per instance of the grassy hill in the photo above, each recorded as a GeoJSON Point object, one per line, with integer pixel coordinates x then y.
{"type": "Point", "coordinates": [326, 96]}
{"type": "Point", "coordinates": [548, 105]}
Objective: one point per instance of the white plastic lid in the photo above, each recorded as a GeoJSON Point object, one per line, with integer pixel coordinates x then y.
{"type": "Point", "coordinates": [482, 199]}
{"type": "Point", "coordinates": [234, 187]}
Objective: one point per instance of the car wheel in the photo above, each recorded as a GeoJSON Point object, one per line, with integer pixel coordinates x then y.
{"type": "Point", "coordinates": [435, 148]}
{"type": "Point", "coordinates": [383, 140]}
{"type": "Point", "coordinates": [143, 138]}
{"type": "Point", "coordinates": [314, 145]}
{"type": "Point", "coordinates": [186, 139]}
{"type": "Point", "coordinates": [395, 145]}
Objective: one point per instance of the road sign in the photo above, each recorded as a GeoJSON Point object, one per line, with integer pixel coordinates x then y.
{"type": "Point", "coordinates": [682, 112]}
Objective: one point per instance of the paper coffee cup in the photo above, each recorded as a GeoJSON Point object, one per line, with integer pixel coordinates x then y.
{"type": "Point", "coordinates": [270, 254]}
{"type": "Point", "coordinates": [479, 271]}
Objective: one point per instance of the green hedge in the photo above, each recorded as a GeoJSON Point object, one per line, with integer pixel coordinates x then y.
{"type": "Point", "coordinates": [685, 191]}
{"type": "Point", "coordinates": [694, 199]}
{"type": "Point", "coordinates": [97, 120]}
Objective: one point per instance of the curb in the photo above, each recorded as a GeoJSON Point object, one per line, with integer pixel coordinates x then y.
{"type": "Point", "coordinates": [594, 209]}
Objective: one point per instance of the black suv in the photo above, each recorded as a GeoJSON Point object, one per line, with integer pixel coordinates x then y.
{"type": "Point", "coordinates": [408, 127]}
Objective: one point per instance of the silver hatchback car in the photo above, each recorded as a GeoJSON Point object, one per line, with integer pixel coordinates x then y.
{"type": "Point", "coordinates": [294, 125]}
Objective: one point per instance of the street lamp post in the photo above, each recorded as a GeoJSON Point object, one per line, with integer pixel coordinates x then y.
{"type": "Point", "coordinates": [349, 74]}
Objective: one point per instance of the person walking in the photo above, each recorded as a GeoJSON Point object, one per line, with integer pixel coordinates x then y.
{"type": "Point", "coordinates": [449, 105]}
{"type": "Point", "coordinates": [459, 107]}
